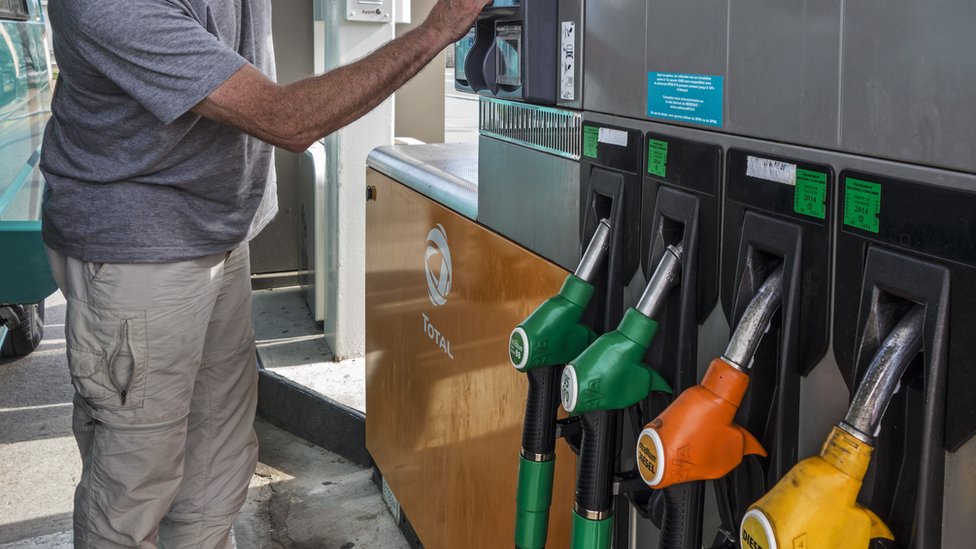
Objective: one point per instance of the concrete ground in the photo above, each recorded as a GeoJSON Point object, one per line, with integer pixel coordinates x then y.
{"type": "Point", "coordinates": [301, 496]}
{"type": "Point", "coordinates": [291, 344]}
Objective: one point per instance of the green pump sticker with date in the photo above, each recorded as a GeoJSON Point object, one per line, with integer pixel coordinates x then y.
{"type": "Point", "coordinates": [657, 157]}
{"type": "Point", "coordinates": [862, 204]}
{"type": "Point", "coordinates": [591, 136]}
{"type": "Point", "coordinates": [810, 193]}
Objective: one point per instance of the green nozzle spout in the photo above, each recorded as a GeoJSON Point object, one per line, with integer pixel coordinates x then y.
{"type": "Point", "coordinates": [553, 334]}
{"type": "Point", "coordinates": [610, 374]}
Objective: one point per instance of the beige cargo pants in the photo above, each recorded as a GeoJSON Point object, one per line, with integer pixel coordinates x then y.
{"type": "Point", "coordinates": [163, 363]}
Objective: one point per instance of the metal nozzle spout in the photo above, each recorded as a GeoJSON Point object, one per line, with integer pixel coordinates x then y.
{"type": "Point", "coordinates": [755, 321]}
{"type": "Point", "coordinates": [666, 276]}
{"type": "Point", "coordinates": [595, 252]}
{"type": "Point", "coordinates": [884, 376]}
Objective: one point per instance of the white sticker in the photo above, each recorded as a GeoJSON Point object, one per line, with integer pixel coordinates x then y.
{"type": "Point", "coordinates": [771, 170]}
{"type": "Point", "coordinates": [611, 136]}
{"type": "Point", "coordinates": [567, 64]}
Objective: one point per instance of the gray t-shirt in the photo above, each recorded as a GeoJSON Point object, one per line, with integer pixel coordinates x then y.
{"type": "Point", "coordinates": [132, 175]}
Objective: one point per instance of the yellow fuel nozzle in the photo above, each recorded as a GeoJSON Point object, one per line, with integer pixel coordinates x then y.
{"type": "Point", "coordinates": [815, 505]}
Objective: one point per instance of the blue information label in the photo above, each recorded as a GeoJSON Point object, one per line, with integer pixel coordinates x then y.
{"type": "Point", "coordinates": [692, 98]}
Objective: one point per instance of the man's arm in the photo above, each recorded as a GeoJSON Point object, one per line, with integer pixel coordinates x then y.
{"type": "Point", "coordinates": [295, 116]}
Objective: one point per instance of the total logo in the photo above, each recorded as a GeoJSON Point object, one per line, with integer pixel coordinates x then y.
{"type": "Point", "coordinates": [440, 275]}
{"type": "Point", "coordinates": [438, 267]}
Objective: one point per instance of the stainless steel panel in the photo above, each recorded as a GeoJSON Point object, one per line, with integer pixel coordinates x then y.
{"type": "Point", "coordinates": [613, 68]}
{"type": "Point", "coordinates": [690, 36]}
{"type": "Point", "coordinates": [447, 173]}
{"type": "Point", "coordinates": [908, 78]}
{"type": "Point", "coordinates": [532, 198]}
{"type": "Point", "coordinates": [783, 77]}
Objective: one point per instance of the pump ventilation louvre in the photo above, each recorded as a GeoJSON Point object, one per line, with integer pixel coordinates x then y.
{"type": "Point", "coordinates": [546, 129]}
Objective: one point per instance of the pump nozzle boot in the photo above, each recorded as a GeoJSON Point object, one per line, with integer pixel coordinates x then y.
{"type": "Point", "coordinates": [695, 437]}
{"type": "Point", "coordinates": [816, 503]}
{"type": "Point", "coordinates": [610, 373]}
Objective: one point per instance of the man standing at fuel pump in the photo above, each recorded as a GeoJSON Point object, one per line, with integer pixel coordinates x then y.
{"type": "Point", "coordinates": [159, 167]}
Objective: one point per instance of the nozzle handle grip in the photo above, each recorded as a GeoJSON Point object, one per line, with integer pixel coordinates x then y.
{"type": "Point", "coordinates": [541, 406]}
{"type": "Point", "coordinates": [683, 507]}
{"type": "Point", "coordinates": [594, 470]}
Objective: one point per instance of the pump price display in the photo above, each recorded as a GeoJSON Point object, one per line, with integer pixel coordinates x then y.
{"type": "Point", "coordinates": [810, 194]}
{"type": "Point", "coordinates": [862, 204]}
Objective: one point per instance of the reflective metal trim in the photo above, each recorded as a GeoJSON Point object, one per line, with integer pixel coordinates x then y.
{"type": "Point", "coordinates": [546, 129]}
{"type": "Point", "coordinates": [529, 456]}
{"type": "Point", "coordinates": [592, 515]}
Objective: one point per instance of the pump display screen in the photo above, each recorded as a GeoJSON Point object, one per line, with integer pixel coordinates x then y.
{"type": "Point", "coordinates": [508, 44]}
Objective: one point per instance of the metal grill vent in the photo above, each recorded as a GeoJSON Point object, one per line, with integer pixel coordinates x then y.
{"type": "Point", "coordinates": [550, 130]}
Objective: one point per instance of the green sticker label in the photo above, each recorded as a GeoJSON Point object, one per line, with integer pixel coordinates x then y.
{"type": "Point", "coordinates": [862, 204]}
{"type": "Point", "coordinates": [591, 136]}
{"type": "Point", "coordinates": [657, 158]}
{"type": "Point", "coordinates": [810, 194]}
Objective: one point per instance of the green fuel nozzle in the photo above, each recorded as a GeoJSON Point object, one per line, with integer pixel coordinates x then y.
{"type": "Point", "coordinates": [551, 336]}
{"type": "Point", "coordinates": [610, 374]}
{"type": "Point", "coordinates": [554, 334]}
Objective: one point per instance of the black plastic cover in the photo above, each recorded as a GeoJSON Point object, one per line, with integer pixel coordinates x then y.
{"type": "Point", "coordinates": [763, 229]}
{"type": "Point", "coordinates": [610, 188]}
{"type": "Point", "coordinates": [538, 52]}
{"type": "Point", "coordinates": [905, 483]}
{"type": "Point", "coordinates": [744, 193]}
{"type": "Point", "coordinates": [927, 222]}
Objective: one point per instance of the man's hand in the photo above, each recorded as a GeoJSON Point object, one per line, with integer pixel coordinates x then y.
{"type": "Point", "coordinates": [453, 18]}
{"type": "Point", "coordinates": [294, 116]}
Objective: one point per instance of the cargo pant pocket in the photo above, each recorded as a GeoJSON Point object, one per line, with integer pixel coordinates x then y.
{"type": "Point", "coordinates": [107, 356]}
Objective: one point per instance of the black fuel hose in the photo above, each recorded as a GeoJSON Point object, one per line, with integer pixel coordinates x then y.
{"type": "Point", "coordinates": [539, 425]}
{"type": "Point", "coordinates": [681, 527]}
{"type": "Point", "coordinates": [595, 468]}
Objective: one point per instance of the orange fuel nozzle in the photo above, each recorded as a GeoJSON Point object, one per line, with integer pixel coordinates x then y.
{"type": "Point", "coordinates": [695, 437]}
